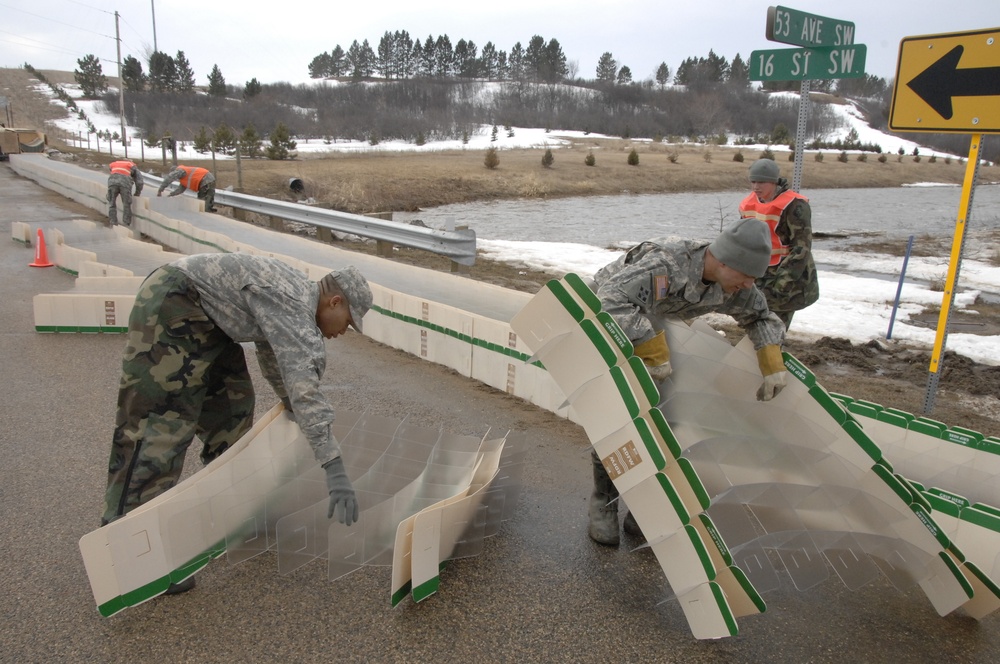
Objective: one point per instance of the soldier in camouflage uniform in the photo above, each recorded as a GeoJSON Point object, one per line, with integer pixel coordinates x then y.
{"type": "Point", "coordinates": [184, 372]}
{"type": "Point", "coordinates": [659, 280]}
{"type": "Point", "coordinates": [124, 174]}
{"type": "Point", "coordinates": [195, 178]}
{"type": "Point", "coordinates": [790, 282]}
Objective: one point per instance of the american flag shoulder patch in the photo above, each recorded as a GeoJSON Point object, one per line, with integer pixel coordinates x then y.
{"type": "Point", "coordinates": [660, 283]}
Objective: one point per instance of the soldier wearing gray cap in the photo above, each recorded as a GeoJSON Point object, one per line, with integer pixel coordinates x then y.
{"type": "Point", "coordinates": [662, 279]}
{"type": "Point", "coordinates": [790, 282]}
{"type": "Point", "coordinates": [184, 372]}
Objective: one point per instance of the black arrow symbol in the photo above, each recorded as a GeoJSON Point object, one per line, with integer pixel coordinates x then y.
{"type": "Point", "coordinates": [943, 80]}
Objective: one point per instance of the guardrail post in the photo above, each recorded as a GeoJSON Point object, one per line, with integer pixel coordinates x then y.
{"type": "Point", "coordinates": [276, 223]}
{"type": "Point", "coordinates": [384, 248]}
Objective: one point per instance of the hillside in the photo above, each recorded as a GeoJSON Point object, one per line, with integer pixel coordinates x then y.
{"type": "Point", "coordinates": [370, 178]}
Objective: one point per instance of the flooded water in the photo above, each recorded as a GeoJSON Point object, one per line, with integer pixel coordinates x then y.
{"type": "Point", "coordinates": [840, 216]}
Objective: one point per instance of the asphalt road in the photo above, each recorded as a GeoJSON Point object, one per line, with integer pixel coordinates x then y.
{"type": "Point", "coordinates": [541, 591]}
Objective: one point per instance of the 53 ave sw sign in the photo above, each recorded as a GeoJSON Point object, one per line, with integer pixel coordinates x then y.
{"type": "Point", "coordinates": [948, 83]}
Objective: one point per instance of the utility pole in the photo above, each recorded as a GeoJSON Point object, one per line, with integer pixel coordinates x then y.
{"type": "Point", "coordinates": [121, 87]}
{"type": "Point", "coordinates": [152, 4]}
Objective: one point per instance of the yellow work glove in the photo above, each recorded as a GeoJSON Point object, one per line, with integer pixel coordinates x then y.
{"type": "Point", "coordinates": [656, 356]}
{"type": "Point", "coordinates": [772, 367]}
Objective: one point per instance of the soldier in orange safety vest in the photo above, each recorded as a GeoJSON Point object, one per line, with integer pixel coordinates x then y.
{"type": "Point", "coordinates": [124, 174]}
{"type": "Point", "coordinates": [790, 282]}
{"type": "Point", "coordinates": [193, 178]}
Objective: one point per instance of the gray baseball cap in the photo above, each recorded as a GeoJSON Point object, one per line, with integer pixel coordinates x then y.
{"type": "Point", "coordinates": [359, 295]}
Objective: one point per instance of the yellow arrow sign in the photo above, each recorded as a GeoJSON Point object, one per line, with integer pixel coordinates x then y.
{"type": "Point", "coordinates": [948, 83]}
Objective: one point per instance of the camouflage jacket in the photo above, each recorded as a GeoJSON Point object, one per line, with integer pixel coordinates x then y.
{"type": "Point", "coordinates": [663, 279]}
{"type": "Point", "coordinates": [792, 284]}
{"type": "Point", "coordinates": [266, 301]}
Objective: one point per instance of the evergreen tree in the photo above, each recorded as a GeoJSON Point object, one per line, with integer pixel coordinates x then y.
{"type": "Point", "coordinates": [338, 64]}
{"type": "Point", "coordinates": [90, 76]}
{"type": "Point", "coordinates": [624, 76]}
{"type": "Point", "coordinates": [281, 143]}
{"type": "Point", "coordinates": [607, 68]}
{"type": "Point", "coordinates": [224, 140]}
{"type": "Point", "coordinates": [384, 61]}
{"type": "Point", "coordinates": [320, 66]}
{"type": "Point", "coordinates": [488, 62]}
{"type": "Point", "coordinates": [515, 63]}
{"type": "Point", "coordinates": [216, 83]}
{"type": "Point", "coordinates": [428, 58]}
{"type": "Point", "coordinates": [554, 68]}
{"type": "Point", "coordinates": [663, 74]}
{"type": "Point", "coordinates": [133, 77]}
{"type": "Point", "coordinates": [202, 143]}
{"type": "Point", "coordinates": [534, 59]}
{"type": "Point", "coordinates": [251, 145]}
{"type": "Point", "coordinates": [444, 57]}
{"type": "Point", "coordinates": [547, 158]}
{"type": "Point", "coordinates": [162, 72]}
{"type": "Point", "coordinates": [739, 71]}
{"type": "Point", "coordinates": [251, 89]}
{"type": "Point", "coordinates": [184, 73]}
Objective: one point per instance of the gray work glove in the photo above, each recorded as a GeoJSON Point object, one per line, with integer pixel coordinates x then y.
{"type": "Point", "coordinates": [772, 385]}
{"type": "Point", "coordinates": [660, 372]}
{"type": "Point", "coordinates": [341, 492]}
{"type": "Point", "coordinates": [287, 403]}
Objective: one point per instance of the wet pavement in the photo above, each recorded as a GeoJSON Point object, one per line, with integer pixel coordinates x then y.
{"type": "Point", "coordinates": [541, 591]}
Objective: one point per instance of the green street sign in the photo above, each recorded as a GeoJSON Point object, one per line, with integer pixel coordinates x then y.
{"type": "Point", "coordinates": [790, 26]}
{"type": "Point", "coordinates": [801, 64]}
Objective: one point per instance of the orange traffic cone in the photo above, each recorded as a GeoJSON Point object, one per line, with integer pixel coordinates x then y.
{"type": "Point", "coordinates": [41, 256]}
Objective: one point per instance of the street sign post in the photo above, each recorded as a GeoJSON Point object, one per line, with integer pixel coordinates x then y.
{"type": "Point", "coordinates": [800, 64]}
{"type": "Point", "coordinates": [948, 83]}
{"type": "Point", "coordinates": [830, 53]}
{"type": "Point", "coordinates": [790, 26]}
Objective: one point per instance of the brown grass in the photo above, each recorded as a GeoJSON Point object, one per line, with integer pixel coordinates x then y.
{"type": "Point", "coordinates": [381, 181]}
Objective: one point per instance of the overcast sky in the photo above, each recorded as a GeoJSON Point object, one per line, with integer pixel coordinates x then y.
{"type": "Point", "coordinates": [276, 41]}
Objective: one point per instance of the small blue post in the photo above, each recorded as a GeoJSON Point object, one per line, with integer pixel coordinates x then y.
{"type": "Point", "coordinates": [899, 288]}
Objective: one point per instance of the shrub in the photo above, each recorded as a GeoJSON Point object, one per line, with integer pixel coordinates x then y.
{"type": "Point", "coordinates": [492, 159]}
{"type": "Point", "coordinates": [767, 153]}
{"type": "Point", "coordinates": [707, 156]}
{"type": "Point", "coordinates": [882, 158]}
{"type": "Point", "coordinates": [590, 159]}
{"type": "Point", "coordinates": [932, 159]}
{"type": "Point", "coordinates": [738, 156]}
{"type": "Point", "coordinates": [673, 156]}
{"type": "Point", "coordinates": [819, 156]}
{"type": "Point", "coordinates": [862, 156]}
{"type": "Point", "coordinates": [791, 156]}
{"type": "Point", "coordinates": [420, 138]}
{"type": "Point", "coordinates": [843, 156]}
{"type": "Point", "coordinates": [547, 158]}
{"type": "Point", "coordinates": [633, 158]}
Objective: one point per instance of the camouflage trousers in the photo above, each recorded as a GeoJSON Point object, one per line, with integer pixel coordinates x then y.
{"type": "Point", "coordinates": [206, 192]}
{"type": "Point", "coordinates": [120, 185]}
{"type": "Point", "coordinates": [181, 376]}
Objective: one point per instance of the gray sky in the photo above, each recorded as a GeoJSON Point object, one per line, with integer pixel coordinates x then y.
{"type": "Point", "coordinates": [275, 41]}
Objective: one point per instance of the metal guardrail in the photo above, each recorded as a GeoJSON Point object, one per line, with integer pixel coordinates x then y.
{"type": "Point", "coordinates": [459, 245]}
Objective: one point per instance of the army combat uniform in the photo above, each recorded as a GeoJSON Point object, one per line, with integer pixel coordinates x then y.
{"type": "Point", "coordinates": [790, 282]}
{"type": "Point", "coordinates": [663, 279]}
{"type": "Point", "coordinates": [124, 174]}
{"type": "Point", "coordinates": [184, 371]}
{"type": "Point", "coordinates": [196, 179]}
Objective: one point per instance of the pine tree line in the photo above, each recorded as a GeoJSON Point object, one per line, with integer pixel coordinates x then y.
{"type": "Point", "coordinates": [400, 56]}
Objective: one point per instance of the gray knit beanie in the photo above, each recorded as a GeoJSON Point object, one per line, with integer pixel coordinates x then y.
{"type": "Point", "coordinates": [745, 246]}
{"type": "Point", "coordinates": [764, 170]}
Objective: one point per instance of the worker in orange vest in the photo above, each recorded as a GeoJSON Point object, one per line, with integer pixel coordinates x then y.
{"type": "Point", "coordinates": [194, 178]}
{"type": "Point", "coordinates": [124, 174]}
